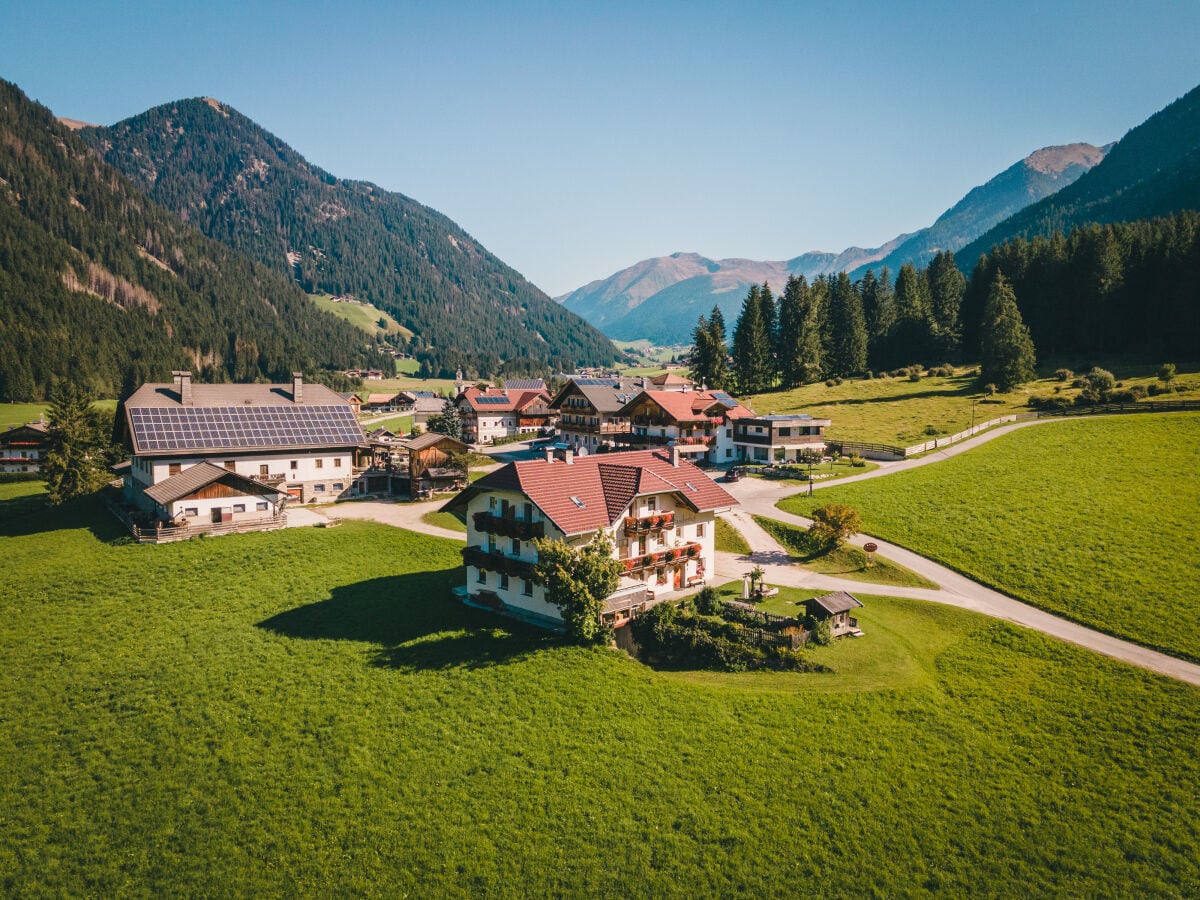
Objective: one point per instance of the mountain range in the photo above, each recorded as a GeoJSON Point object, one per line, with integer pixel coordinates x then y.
{"type": "Point", "coordinates": [243, 186]}
{"type": "Point", "coordinates": [1154, 170]}
{"type": "Point", "coordinates": [100, 285]}
{"type": "Point", "coordinates": [661, 298]}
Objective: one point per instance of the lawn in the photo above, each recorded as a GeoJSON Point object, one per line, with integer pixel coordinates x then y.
{"type": "Point", "coordinates": [306, 713]}
{"type": "Point", "coordinates": [364, 316]}
{"type": "Point", "coordinates": [396, 425]}
{"type": "Point", "coordinates": [1092, 519]}
{"type": "Point", "coordinates": [845, 562]}
{"type": "Point", "coordinates": [728, 539]}
{"type": "Point", "coordinates": [19, 413]}
{"type": "Point", "coordinates": [901, 412]}
{"type": "Point", "coordinates": [449, 520]}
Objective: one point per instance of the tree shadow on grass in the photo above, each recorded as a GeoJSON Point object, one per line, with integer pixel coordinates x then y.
{"type": "Point", "coordinates": [415, 623]}
{"type": "Point", "coordinates": [33, 514]}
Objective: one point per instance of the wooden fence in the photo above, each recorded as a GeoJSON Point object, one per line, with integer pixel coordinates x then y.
{"type": "Point", "coordinates": [1145, 406]}
{"type": "Point", "coordinates": [147, 535]}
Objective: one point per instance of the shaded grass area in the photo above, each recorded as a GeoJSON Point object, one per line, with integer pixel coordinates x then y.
{"type": "Point", "coordinates": [845, 562]}
{"type": "Point", "coordinates": [1092, 519]}
{"type": "Point", "coordinates": [306, 713]}
{"type": "Point", "coordinates": [452, 521]}
{"type": "Point", "coordinates": [728, 539]}
{"type": "Point", "coordinates": [898, 411]}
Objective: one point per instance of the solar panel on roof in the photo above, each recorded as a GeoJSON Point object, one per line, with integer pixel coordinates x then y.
{"type": "Point", "coordinates": [210, 428]}
{"type": "Point", "coordinates": [597, 382]}
{"type": "Point", "coordinates": [491, 400]}
{"type": "Point", "coordinates": [724, 397]}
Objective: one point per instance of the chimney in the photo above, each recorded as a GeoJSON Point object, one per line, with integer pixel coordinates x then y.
{"type": "Point", "coordinates": [549, 454]}
{"type": "Point", "coordinates": [183, 386]}
{"type": "Point", "coordinates": [674, 454]}
{"type": "Point", "coordinates": [569, 457]}
{"type": "Point", "coordinates": [297, 387]}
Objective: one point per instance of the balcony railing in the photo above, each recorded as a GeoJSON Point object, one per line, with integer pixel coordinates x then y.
{"type": "Point", "coordinates": [481, 558]}
{"type": "Point", "coordinates": [509, 527]}
{"type": "Point", "coordinates": [663, 557]}
{"type": "Point", "coordinates": [649, 524]}
{"type": "Point", "coordinates": [269, 479]}
{"type": "Point", "coordinates": [787, 440]}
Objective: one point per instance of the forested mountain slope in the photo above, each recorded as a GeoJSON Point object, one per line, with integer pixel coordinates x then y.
{"type": "Point", "coordinates": [1153, 171]}
{"type": "Point", "coordinates": [245, 187]}
{"type": "Point", "coordinates": [101, 285]}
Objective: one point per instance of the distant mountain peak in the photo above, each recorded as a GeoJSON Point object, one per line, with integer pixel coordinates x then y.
{"type": "Point", "coordinates": [1055, 160]}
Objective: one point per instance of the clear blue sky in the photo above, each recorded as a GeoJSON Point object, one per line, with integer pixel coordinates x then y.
{"type": "Point", "coordinates": [574, 139]}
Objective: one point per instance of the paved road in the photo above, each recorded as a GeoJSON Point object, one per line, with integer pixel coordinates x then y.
{"type": "Point", "coordinates": [758, 497]}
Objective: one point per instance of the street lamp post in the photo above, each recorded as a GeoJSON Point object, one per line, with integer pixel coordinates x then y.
{"type": "Point", "coordinates": [973, 402]}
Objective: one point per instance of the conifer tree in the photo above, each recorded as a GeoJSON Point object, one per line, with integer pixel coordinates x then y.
{"type": "Point", "coordinates": [1006, 349]}
{"type": "Point", "coordinates": [848, 328]}
{"type": "Point", "coordinates": [910, 339]}
{"type": "Point", "coordinates": [770, 317]}
{"type": "Point", "coordinates": [78, 451]}
{"type": "Point", "coordinates": [719, 376]}
{"type": "Point", "coordinates": [793, 305]}
{"type": "Point", "coordinates": [946, 287]}
{"type": "Point", "coordinates": [751, 346]}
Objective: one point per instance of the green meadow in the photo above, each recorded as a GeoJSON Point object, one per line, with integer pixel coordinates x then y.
{"type": "Point", "coordinates": [901, 412]}
{"type": "Point", "coordinates": [1093, 519]}
{"type": "Point", "coordinates": [364, 316]}
{"type": "Point", "coordinates": [308, 713]}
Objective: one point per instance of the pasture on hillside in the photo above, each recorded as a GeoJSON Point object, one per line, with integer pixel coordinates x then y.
{"type": "Point", "coordinates": [900, 412]}
{"type": "Point", "coordinates": [1092, 519]}
{"type": "Point", "coordinates": [307, 713]}
{"type": "Point", "coordinates": [365, 316]}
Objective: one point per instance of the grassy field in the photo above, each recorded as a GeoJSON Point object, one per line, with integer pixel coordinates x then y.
{"type": "Point", "coordinates": [404, 383]}
{"type": "Point", "coordinates": [728, 539]}
{"type": "Point", "coordinates": [1092, 519]}
{"type": "Point", "coordinates": [844, 562]}
{"type": "Point", "coordinates": [396, 425]}
{"type": "Point", "coordinates": [902, 412]}
{"type": "Point", "coordinates": [445, 520]}
{"type": "Point", "coordinates": [306, 713]}
{"type": "Point", "coordinates": [364, 316]}
{"type": "Point", "coordinates": [19, 413]}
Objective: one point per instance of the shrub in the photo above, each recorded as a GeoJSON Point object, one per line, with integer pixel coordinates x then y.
{"type": "Point", "coordinates": [707, 602]}
{"type": "Point", "coordinates": [914, 373]}
{"type": "Point", "coordinates": [829, 382]}
{"type": "Point", "coordinates": [834, 523]}
{"type": "Point", "coordinates": [1064, 374]}
{"type": "Point", "coordinates": [989, 389]}
{"type": "Point", "coordinates": [930, 430]}
{"type": "Point", "coordinates": [1166, 372]}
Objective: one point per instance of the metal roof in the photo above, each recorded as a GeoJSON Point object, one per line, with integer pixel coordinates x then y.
{"type": "Point", "coordinates": [167, 430]}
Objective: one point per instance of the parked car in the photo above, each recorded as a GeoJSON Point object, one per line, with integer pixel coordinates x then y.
{"type": "Point", "coordinates": [732, 474]}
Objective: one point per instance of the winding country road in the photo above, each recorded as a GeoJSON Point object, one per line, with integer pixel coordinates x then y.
{"type": "Point", "coordinates": [758, 497]}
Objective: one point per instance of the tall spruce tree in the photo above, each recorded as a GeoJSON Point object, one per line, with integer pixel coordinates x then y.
{"type": "Point", "coordinates": [78, 452]}
{"type": "Point", "coordinates": [770, 317]}
{"type": "Point", "coordinates": [849, 330]}
{"type": "Point", "coordinates": [1006, 349]}
{"type": "Point", "coordinates": [910, 338]}
{"type": "Point", "coordinates": [793, 305]}
{"type": "Point", "coordinates": [719, 376]}
{"type": "Point", "coordinates": [751, 346]}
{"type": "Point", "coordinates": [946, 288]}
{"type": "Point", "coordinates": [814, 336]}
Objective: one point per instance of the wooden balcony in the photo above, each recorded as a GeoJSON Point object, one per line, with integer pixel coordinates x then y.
{"type": "Point", "coordinates": [663, 557]}
{"type": "Point", "coordinates": [509, 527]}
{"type": "Point", "coordinates": [481, 558]}
{"type": "Point", "coordinates": [649, 524]}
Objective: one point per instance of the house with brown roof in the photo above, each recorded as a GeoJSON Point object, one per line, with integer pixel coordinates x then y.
{"type": "Point", "coordinates": [429, 458]}
{"type": "Point", "coordinates": [23, 447]}
{"type": "Point", "coordinates": [835, 608]}
{"type": "Point", "coordinates": [589, 411]}
{"type": "Point", "coordinates": [491, 413]}
{"type": "Point", "coordinates": [778, 439]}
{"type": "Point", "coordinates": [699, 423]}
{"type": "Point", "coordinates": [271, 443]}
{"type": "Point", "coordinates": [658, 509]}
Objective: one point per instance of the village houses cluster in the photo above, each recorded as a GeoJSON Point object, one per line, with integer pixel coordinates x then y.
{"type": "Point", "coordinates": [623, 456]}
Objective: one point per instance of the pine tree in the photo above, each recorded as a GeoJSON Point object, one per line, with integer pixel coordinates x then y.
{"type": "Point", "coordinates": [447, 422]}
{"type": "Point", "coordinates": [793, 305]}
{"type": "Point", "coordinates": [946, 287]}
{"type": "Point", "coordinates": [814, 333]}
{"type": "Point", "coordinates": [910, 339]}
{"type": "Point", "coordinates": [702, 353]}
{"type": "Point", "coordinates": [751, 346]}
{"type": "Point", "coordinates": [848, 328]}
{"type": "Point", "coordinates": [770, 317]}
{"type": "Point", "coordinates": [78, 451]}
{"type": "Point", "coordinates": [719, 376]}
{"type": "Point", "coordinates": [1006, 349]}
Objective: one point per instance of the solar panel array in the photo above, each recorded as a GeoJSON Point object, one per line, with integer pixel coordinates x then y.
{"type": "Point", "coordinates": [234, 427]}
{"type": "Point", "coordinates": [597, 382]}
{"type": "Point", "coordinates": [724, 398]}
{"type": "Point", "coordinates": [491, 401]}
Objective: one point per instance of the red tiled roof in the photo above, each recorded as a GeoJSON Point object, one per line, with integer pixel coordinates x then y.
{"type": "Point", "coordinates": [513, 401]}
{"type": "Point", "coordinates": [603, 485]}
{"type": "Point", "coordinates": [688, 406]}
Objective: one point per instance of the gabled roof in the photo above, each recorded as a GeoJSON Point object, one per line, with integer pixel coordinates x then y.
{"type": "Point", "coordinates": [689, 406]}
{"type": "Point", "coordinates": [432, 439]}
{"type": "Point", "coordinates": [606, 395]}
{"type": "Point", "coordinates": [592, 491]}
{"type": "Point", "coordinates": [526, 384]}
{"type": "Point", "coordinates": [500, 400]}
{"type": "Point", "coordinates": [837, 602]}
{"type": "Point", "coordinates": [233, 418]}
{"type": "Point", "coordinates": [31, 431]}
{"type": "Point", "coordinates": [200, 476]}
{"type": "Point", "coordinates": [670, 379]}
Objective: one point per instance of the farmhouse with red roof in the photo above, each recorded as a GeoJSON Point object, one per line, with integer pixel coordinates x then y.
{"type": "Point", "coordinates": [658, 509]}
